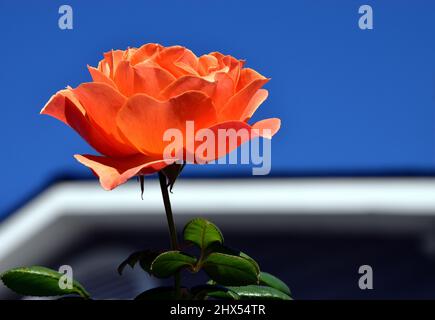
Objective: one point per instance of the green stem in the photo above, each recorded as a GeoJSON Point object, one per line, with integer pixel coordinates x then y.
{"type": "Point", "coordinates": [171, 225]}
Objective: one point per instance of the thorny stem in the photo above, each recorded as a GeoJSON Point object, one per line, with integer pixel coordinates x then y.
{"type": "Point", "coordinates": [171, 225]}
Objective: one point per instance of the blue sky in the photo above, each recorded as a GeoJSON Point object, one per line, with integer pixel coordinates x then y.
{"type": "Point", "coordinates": [349, 100]}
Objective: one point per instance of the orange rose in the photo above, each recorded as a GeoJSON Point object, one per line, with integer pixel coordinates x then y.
{"type": "Point", "coordinates": [137, 94]}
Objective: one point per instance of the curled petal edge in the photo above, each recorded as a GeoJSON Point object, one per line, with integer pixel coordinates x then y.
{"type": "Point", "coordinates": [113, 172]}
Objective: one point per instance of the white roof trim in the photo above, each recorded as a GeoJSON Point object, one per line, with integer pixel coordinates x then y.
{"type": "Point", "coordinates": [242, 196]}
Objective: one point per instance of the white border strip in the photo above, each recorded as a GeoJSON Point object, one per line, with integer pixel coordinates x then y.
{"type": "Point", "coordinates": [241, 196]}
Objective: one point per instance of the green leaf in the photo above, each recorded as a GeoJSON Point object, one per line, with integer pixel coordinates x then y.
{"type": "Point", "coordinates": [201, 292]}
{"type": "Point", "coordinates": [259, 293]}
{"type": "Point", "coordinates": [39, 281]}
{"type": "Point", "coordinates": [168, 263]}
{"type": "Point", "coordinates": [245, 256]}
{"type": "Point", "coordinates": [171, 173]}
{"type": "Point", "coordinates": [203, 233]}
{"type": "Point", "coordinates": [232, 270]}
{"type": "Point", "coordinates": [227, 250]}
{"type": "Point", "coordinates": [162, 293]}
{"type": "Point", "coordinates": [145, 258]}
{"type": "Point", "coordinates": [271, 281]}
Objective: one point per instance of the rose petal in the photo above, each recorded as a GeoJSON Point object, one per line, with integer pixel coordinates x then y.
{"type": "Point", "coordinates": [259, 97]}
{"type": "Point", "coordinates": [144, 77]}
{"type": "Point", "coordinates": [102, 104]}
{"type": "Point", "coordinates": [188, 83]}
{"type": "Point", "coordinates": [167, 56]}
{"type": "Point", "coordinates": [220, 58]}
{"type": "Point", "coordinates": [55, 107]}
{"type": "Point", "coordinates": [206, 64]}
{"type": "Point", "coordinates": [217, 55]}
{"type": "Point", "coordinates": [113, 58]}
{"type": "Point", "coordinates": [113, 172]}
{"type": "Point", "coordinates": [235, 67]}
{"type": "Point", "coordinates": [65, 107]}
{"type": "Point", "coordinates": [268, 127]}
{"type": "Point", "coordinates": [124, 78]}
{"type": "Point", "coordinates": [144, 120]}
{"type": "Point", "coordinates": [188, 62]}
{"type": "Point", "coordinates": [151, 80]}
{"type": "Point", "coordinates": [247, 76]}
{"type": "Point", "coordinates": [235, 107]}
{"type": "Point", "coordinates": [145, 52]}
{"type": "Point", "coordinates": [99, 76]}
{"type": "Point", "coordinates": [103, 67]}
{"type": "Point", "coordinates": [177, 60]}
{"type": "Point", "coordinates": [128, 54]}
{"type": "Point", "coordinates": [232, 130]}
{"type": "Point", "coordinates": [224, 90]}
